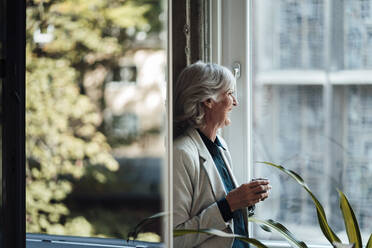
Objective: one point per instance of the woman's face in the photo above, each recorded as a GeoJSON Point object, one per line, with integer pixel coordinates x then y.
{"type": "Point", "coordinates": [219, 111]}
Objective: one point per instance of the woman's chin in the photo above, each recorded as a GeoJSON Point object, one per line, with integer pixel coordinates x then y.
{"type": "Point", "coordinates": [227, 121]}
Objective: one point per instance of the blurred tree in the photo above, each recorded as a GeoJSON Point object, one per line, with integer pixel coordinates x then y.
{"type": "Point", "coordinates": [66, 39]}
{"type": "Point", "coordinates": [61, 141]}
{"type": "Point", "coordinates": [91, 34]}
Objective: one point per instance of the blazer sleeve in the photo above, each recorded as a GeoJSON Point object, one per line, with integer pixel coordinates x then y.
{"type": "Point", "coordinates": [185, 171]}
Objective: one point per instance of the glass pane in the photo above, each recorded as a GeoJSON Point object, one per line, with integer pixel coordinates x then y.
{"type": "Point", "coordinates": [289, 130]}
{"type": "Point", "coordinates": [319, 131]}
{"type": "Point", "coordinates": [291, 34]}
{"type": "Point", "coordinates": [352, 153]}
{"type": "Point", "coordinates": [95, 112]}
{"type": "Point", "coordinates": [358, 34]}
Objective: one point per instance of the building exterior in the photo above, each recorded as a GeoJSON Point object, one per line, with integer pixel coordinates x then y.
{"type": "Point", "coordinates": [134, 95]}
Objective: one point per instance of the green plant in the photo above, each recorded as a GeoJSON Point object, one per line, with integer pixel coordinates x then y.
{"type": "Point", "coordinates": [351, 223]}
{"type": "Point", "coordinates": [267, 225]}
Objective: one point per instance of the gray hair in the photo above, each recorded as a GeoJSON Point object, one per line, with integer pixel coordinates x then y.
{"type": "Point", "coordinates": [197, 83]}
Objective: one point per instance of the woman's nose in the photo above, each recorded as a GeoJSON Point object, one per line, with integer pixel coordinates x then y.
{"type": "Point", "coordinates": [235, 102]}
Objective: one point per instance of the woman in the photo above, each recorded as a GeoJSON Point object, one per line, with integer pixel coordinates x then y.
{"type": "Point", "coordinates": [205, 192]}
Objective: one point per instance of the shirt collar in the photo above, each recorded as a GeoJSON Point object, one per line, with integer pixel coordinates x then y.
{"type": "Point", "coordinates": [209, 143]}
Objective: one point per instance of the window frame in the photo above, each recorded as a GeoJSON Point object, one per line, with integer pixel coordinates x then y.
{"type": "Point", "coordinates": [13, 126]}
{"type": "Point", "coordinates": [232, 29]}
{"type": "Point", "coordinates": [168, 172]}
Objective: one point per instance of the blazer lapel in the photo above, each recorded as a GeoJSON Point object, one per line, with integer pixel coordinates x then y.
{"type": "Point", "coordinates": [208, 164]}
{"type": "Point", "coordinates": [212, 172]}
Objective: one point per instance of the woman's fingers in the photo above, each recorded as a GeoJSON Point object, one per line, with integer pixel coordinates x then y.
{"type": "Point", "coordinates": [262, 191]}
{"type": "Point", "coordinates": [251, 202]}
{"type": "Point", "coordinates": [248, 194]}
{"type": "Point", "coordinates": [261, 188]}
{"type": "Point", "coordinates": [257, 190]}
{"type": "Point", "coordinates": [258, 182]}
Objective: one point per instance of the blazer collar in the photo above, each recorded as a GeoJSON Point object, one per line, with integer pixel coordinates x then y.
{"type": "Point", "coordinates": [208, 164]}
{"type": "Point", "coordinates": [214, 177]}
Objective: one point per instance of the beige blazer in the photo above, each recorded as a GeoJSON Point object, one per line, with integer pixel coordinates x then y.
{"type": "Point", "coordinates": [197, 187]}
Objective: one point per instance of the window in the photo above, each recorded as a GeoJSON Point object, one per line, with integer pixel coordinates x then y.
{"type": "Point", "coordinates": [120, 74]}
{"type": "Point", "coordinates": [95, 117]}
{"type": "Point", "coordinates": [306, 101]}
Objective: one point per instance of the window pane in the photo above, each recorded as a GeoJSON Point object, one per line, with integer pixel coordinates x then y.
{"type": "Point", "coordinates": [358, 34]}
{"type": "Point", "coordinates": [320, 131]}
{"type": "Point", "coordinates": [94, 116]}
{"type": "Point", "coordinates": [291, 34]}
{"type": "Point", "coordinates": [353, 150]}
{"type": "Point", "coordinates": [289, 130]}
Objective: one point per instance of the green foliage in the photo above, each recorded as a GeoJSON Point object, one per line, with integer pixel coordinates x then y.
{"type": "Point", "coordinates": [351, 223]}
{"type": "Point", "coordinates": [139, 227]}
{"type": "Point", "coordinates": [90, 34]}
{"type": "Point", "coordinates": [322, 218]}
{"type": "Point", "coordinates": [61, 142]}
{"type": "Point", "coordinates": [62, 123]}
{"type": "Point", "coordinates": [271, 224]}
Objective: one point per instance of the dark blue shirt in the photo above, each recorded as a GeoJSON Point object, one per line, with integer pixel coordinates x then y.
{"type": "Point", "coordinates": [237, 216]}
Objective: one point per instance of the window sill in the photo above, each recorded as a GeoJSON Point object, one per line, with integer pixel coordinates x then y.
{"type": "Point", "coordinates": [284, 244]}
{"type": "Point", "coordinates": [59, 241]}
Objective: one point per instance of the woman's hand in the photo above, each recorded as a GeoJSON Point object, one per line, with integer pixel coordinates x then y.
{"type": "Point", "coordinates": [248, 194]}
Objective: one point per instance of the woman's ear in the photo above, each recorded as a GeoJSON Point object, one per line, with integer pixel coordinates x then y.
{"type": "Point", "coordinates": [208, 103]}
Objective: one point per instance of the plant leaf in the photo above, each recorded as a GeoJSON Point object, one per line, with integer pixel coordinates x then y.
{"type": "Point", "coordinates": [351, 223]}
{"type": "Point", "coordinates": [369, 244]}
{"type": "Point", "coordinates": [138, 228]}
{"type": "Point", "coordinates": [281, 229]}
{"type": "Point", "coordinates": [265, 228]}
{"type": "Point", "coordinates": [219, 233]}
{"type": "Point", "coordinates": [323, 223]}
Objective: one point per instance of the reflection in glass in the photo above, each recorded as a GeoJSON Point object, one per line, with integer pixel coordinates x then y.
{"type": "Point", "coordinates": [94, 116]}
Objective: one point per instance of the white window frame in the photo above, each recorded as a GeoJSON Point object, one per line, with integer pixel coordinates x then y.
{"type": "Point", "coordinates": [231, 43]}
{"type": "Point", "coordinates": [168, 172]}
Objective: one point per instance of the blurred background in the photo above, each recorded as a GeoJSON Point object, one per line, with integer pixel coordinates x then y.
{"type": "Point", "coordinates": [95, 110]}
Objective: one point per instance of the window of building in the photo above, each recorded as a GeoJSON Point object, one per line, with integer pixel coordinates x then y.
{"type": "Point", "coordinates": [306, 101]}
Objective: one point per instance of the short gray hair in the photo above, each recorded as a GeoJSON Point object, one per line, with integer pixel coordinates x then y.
{"type": "Point", "coordinates": [197, 83]}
